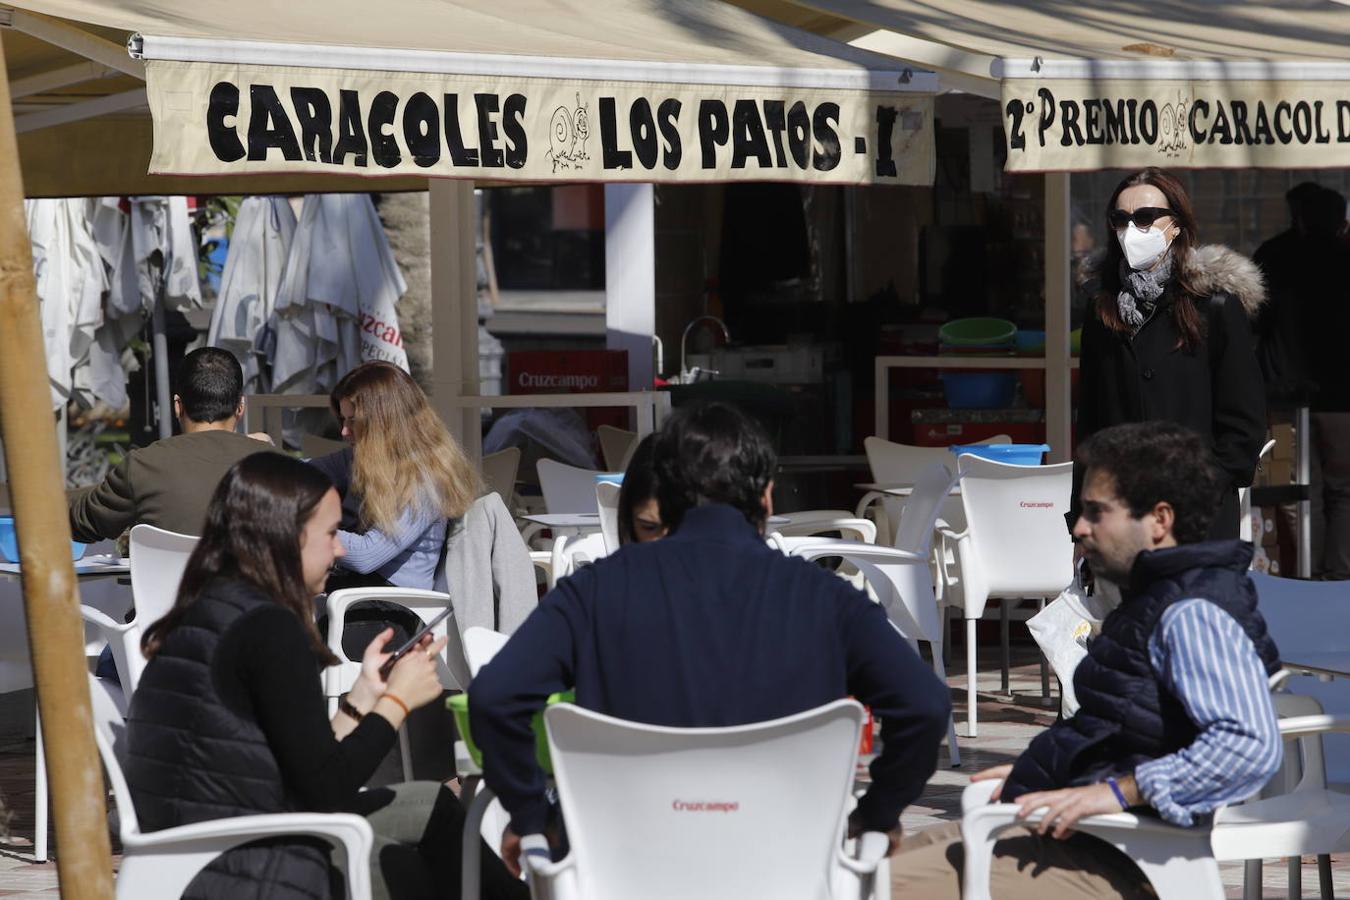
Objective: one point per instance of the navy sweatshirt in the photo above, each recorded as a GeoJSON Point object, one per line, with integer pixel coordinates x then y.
{"type": "Point", "coordinates": [708, 627]}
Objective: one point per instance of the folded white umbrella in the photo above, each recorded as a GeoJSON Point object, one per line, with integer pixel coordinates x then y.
{"type": "Point", "coordinates": [259, 246]}
{"type": "Point", "coordinates": [336, 305]}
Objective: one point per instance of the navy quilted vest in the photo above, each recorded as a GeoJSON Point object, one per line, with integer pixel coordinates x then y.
{"type": "Point", "coordinates": [1126, 716]}
{"type": "Point", "coordinates": [191, 758]}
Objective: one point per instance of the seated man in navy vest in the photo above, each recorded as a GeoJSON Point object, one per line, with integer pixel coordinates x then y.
{"type": "Point", "coordinates": [670, 632]}
{"type": "Point", "coordinates": [1175, 707]}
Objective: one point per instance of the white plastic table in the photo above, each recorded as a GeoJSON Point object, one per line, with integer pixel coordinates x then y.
{"type": "Point", "coordinates": [88, 568]}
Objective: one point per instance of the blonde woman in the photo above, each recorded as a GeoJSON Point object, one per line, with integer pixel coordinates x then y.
{"type": "Point", "coordinates": [401, 481]}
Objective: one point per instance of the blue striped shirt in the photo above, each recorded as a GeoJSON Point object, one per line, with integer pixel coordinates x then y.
{"type": "Point", "coordinates": [1202, 655]}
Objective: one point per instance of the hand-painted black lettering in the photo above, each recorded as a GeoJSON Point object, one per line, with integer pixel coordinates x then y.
{"type": "Point", "coordinates": [1047, 118]}
{"type": "Point", "coordinates": [886, 116]}
{"type": "Point", "coordinates": [1014, 110]}
{"type": "Point", "coordinates": [383, 145]}
{"type": "Point", "coordinates": [351, 133]}
{"type": "Point", "coordinates": [1092, 120]}
{"type": "Point", "coordinates": [422, 129]}
{"type": "Point", "coordinates": [224, 136]}
{"type": "Point", "coordinates": [315, 115]}
{"type": "Point", "coordinates": [487, 106]}
{"type": "Point", "coordinates": [611, 156]}
{"type": "Point", "coordinates": [1323, 136]}
{"type": "Point", "coordinates": [1198, 133]}
{"type": "Point", "coordinates": [268, 125]}
{"type": "Point", "coordinates": [668, 120]}
{"type": "Point", "coordinates": [747, 136]}
{"type": "Point", "coordinates": [513, 129]}
{"type": "Point", "coordinates": [1148, 122]}
{"type": "Point", "coordinates": [714, 128]}
{"type": "Point", "coordinates": [775, 121]}
{"type": "Point", "coordinates": [642, 127]}
{"type": "Point", "coordinates": [824, 128]}
{"type": "Point", "coordinates": [460, 155]}
{"type": "Point", "coordinates": [799, 134]}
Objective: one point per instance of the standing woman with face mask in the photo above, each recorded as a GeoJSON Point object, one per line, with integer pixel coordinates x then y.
{"type": "Point", "coordinates": [1169, 335]}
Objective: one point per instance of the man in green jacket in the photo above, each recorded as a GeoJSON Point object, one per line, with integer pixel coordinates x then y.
{"type": "Point", "coordinates": [169, 483]}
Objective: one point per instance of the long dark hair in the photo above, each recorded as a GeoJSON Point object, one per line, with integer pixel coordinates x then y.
{"type": "Point", "coordinates": [253, 529]}
{"type": "Point", "coordinates": [639, 486]}
{"type": "Point", "coordinates": [1185, 315]}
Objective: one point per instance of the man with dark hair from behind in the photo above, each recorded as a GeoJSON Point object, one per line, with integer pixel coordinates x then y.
{"type": "Point", "coordinates": [169, 483]}
{"type": "Point", "coordinates": [663, 632]}
{"type": "Point", "coordinates": [1175, 705]}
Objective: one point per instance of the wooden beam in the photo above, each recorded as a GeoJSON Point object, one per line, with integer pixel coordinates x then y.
{"type": "Point", "coordinates": [50, 597]}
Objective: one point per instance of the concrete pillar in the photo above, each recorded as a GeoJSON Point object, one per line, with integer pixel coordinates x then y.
{"type": "Point", "coordinates": [454, 309]}
{"type": "Point", "coordinates": [630, 277]}
{"type": "Point", "coordinates": [1058, 403]}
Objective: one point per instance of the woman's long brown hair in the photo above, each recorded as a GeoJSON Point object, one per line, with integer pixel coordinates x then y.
{"type": "Point", "coordinates": [404, 458]}
{"type": "Point", "coordinates": [1185, 315]}
{"type": "Point", "coordinates": [253, 530]}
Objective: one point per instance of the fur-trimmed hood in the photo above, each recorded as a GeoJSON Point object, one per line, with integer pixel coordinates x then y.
{"type": "Point", "coordinates": [1213, 269]}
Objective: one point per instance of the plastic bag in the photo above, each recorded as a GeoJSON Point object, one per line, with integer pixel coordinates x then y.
{"type": "Point", "coordinates": [1062, 631]}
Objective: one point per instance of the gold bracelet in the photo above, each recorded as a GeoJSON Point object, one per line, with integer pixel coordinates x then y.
{"type": "Point", "coordinates": [401, 705]}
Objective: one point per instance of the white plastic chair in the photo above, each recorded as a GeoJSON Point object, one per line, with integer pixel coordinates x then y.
{"type": "Point", "coordinates": [1182, 863]}
{"type": "Point", "coordinates": [616, 445]}
{"type": "Point", "coordinates": [499, 472]}
{"type": "Point", "coordinates": [566, 489]}
{"type": "Point", "coordinates": [159, 865]}
{"type": "Point", "coordinates": [158, 560]}
{"type": "Point", "coordinates": [571, 553]}
{"type": "Point", "coordinates": [750, 811]}
{"type": "Point", "coordinates": [426, 605]}
{"type": "Point", "coordinates": [817, 522]}
{"type": "Point", "coordinates": [893, 463]}
{"type": "Point", "coordinates": [1245, 498]}
{"type": "Point", "coordinates": [607, 500]}
{"type": "Point", "coordinates": [1015, 545]}
{"type": "Point", "coordinates": [901, 575]}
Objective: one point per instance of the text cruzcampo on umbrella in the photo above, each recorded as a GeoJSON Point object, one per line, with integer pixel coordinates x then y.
{"type": "Point", "coordinates": [771, 134]}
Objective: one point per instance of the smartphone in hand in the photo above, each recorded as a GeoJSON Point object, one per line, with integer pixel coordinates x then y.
{"type": "Point", "coordinates": [413, 642]}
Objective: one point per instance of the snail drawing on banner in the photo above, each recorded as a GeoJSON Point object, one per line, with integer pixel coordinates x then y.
{"type": "Point", "coordinates": [1172, 127]}
{"type": "Point", "coordinates": [567, 134]}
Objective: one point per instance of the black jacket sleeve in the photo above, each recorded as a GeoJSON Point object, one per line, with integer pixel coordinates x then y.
{"type": "Point", "coordinates": [1088, 422]}
{"type": "Point", "coordinates": [1238, 391]}
{"type": "Point", "coordinates": [887, 675]}
{"type": "Point", "coordinates": [270, 655]}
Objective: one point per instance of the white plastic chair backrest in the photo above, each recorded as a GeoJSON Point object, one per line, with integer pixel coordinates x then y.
{"type": "Point", "coordinates": [110, 735]}
{"type": "Point", "coordinates": [1305, 769]}
{"type": "Point", "coordinates": [499, 472]}
{"type": "Point", "coordinates": [158, 560]}
{"type": "Point", "coordinates": [749, 811]}
{"type": "Point", "coordinates": [426, 605]}
{"type": "Point", "coordinates": [566, 489]}
{"type": "Point", "coordinates": [1015, 517]}
{"type": "Point", "coordinates": [616, 444]}
{"type": "Point", "coordinates": [920, 514]}
{"type": "Point", "coordinates": [607, 499]}
{"type": "Point", "coordinates": [480, 645]}
{"type": "Point", "coordinates": [1245, 498]}
{"type": "Point", "coordinates": [893, 463]}
{"type": "Point", "coordinates": [570, 554]}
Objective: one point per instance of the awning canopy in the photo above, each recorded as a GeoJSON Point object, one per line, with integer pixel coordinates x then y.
{"type": "Point", "coordinates": [625, 90]}
{"type": "Point", "coordinates": [1088, 86]}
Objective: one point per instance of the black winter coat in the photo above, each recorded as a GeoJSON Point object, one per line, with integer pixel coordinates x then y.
{"type": "Point", "coordinates": [1216, 389]}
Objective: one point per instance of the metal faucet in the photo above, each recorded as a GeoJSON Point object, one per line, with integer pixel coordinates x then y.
{"type": "Point", "coordinates": [684, 338]}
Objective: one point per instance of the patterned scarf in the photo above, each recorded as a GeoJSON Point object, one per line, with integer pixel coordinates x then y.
{"type": "Point", "coordinates": [1139, 291]}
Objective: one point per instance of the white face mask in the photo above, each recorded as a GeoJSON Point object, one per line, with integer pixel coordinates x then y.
{"type": "Point", "coordinates": [1142, 248]}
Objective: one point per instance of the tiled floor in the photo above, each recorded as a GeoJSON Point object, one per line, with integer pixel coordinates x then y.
{"type": "Point", "coordinates": [1006, 725]}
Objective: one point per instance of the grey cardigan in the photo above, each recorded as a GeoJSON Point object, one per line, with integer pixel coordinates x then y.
{"type": "Point", "coordinates": [487, 569]}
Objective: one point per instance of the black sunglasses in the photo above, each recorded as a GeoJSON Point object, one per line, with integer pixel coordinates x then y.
{"type": "Point", "coordinates": [1143, 217]}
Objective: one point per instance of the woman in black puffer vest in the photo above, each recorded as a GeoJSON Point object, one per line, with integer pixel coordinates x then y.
{"type": "Point", "coordinates": [229, 718]}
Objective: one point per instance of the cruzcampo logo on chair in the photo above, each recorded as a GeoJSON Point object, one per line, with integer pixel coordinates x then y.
{"type": "Point", "coordinates": [459, 708]}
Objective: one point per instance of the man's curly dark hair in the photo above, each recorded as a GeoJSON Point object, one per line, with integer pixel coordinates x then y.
{"type": "Point", "coordinates": [1152, 462]}
{"type": "Point", "coordinates": [712, 453]}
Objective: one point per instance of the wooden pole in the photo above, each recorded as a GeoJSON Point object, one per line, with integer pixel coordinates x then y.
{"type": "Point", "coordinates": [51, 600]}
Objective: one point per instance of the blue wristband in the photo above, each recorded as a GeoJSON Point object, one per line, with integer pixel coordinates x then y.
{"type": "Point", "coordinates": [1115, 789]}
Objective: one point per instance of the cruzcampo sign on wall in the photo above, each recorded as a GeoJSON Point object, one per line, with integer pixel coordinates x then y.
{"type": "Point", "coordinates": [1078, 125]}
{"type": "Point", "coordinates": [239, 119]}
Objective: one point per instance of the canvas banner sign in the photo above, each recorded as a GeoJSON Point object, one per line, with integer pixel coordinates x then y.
{"type": "Point", "coordinates": [1056, 125]}
{"type": "Point", "coordinates": [222, 119]}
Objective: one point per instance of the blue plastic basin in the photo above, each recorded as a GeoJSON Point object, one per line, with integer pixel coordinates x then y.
{"type": "Point", "coordinates": [9, 542]}
{"type": "Point", "coordinates": [609, 477]}
{"type": "Point", "coordinates": [1012, 454]}
{"type": "Point", "coordinates": [979, 390]}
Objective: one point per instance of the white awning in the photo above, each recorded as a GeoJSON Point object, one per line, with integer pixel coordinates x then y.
{"type": "Point", "coordinates": [1095, 85]}
{"type": "Point", "coordinates": [624, 90]}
